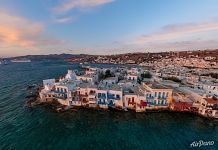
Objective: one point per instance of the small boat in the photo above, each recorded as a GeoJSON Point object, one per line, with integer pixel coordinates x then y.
{"type": "Point", "coordinates": [21, 60]}
{"type": "Point", "coordinates": [3, 62]}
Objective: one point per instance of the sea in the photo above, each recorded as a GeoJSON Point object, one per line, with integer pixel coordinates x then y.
{"type": "Point", "coordinates": [41, 128]}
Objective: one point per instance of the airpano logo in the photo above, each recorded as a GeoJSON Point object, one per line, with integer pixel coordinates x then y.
{"type": "Point", "coordinates": [201, 143]}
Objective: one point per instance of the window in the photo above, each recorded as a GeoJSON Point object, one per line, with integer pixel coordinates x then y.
{"type": "Point", "coordinates": [155, 94]}
{"type": "Point", "coordinates": [103, 94]}
{"type": "Point", "coordinates": [163, 94]}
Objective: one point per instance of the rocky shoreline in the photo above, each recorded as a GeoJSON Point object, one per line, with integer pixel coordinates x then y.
{"type": "Point", "coordinates": [34, 101]}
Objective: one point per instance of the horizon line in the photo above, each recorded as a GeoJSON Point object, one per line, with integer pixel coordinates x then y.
{"type": "Point", "coordinates": [108, 54]}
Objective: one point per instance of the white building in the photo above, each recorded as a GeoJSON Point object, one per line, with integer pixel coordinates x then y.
{"type": "Point", "coordinates": [109, 82]}
{"type": "Point", "coordinates": [157, 96]}
{"type": "Point", "coordinates": [91, 78]}
{"type": "Point", "coordinates": [209, 107]}
{"type": "Point", "coordinates": [132, 76]}
{"type": "Point", "coordinates": [115, 97]}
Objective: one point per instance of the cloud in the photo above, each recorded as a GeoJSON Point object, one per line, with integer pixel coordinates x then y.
{"type": "Point", "coordinates": [66, 19]}
{"type": "Point", "coordinates": [18, 34]}
{"type": "Point", "coordinates": [63, 20]}
{"type": "Point", "coordinates": [80, 4]}
{"type": "Point", "coordinates": [175, 31]}
{"type": "Point", "coordinates": [18, 31]}
{"type": "Point", "coordinates": [183, 45]}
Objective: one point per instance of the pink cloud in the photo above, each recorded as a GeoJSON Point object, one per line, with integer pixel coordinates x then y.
{"type": "Point", "coordinates": [172, 32]}
{"type": "Point", "coordinates": [19, 35]}
{"type": "Point", "coordinates": [81, 4]}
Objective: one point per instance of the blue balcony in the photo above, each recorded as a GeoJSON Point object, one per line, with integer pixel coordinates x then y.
{"type": "Point", "coordinates": [110, 96]}
{"type": "Point", "coordinates": [162, 98]}
{"type": "Point", "coordinates": [60, 92]}
{"type": "Point", "coordinates": [149, 97]}
{"type": "Point", "coordinates": [64, 97]}
{"type": "Point", "coordinates": [159, 104]}
{"type": "Point", "coordinates": [102, 96]}
{"type": "Point", "coordinates": [102, 102]}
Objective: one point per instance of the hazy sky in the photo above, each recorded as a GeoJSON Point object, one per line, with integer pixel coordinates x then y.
{"type": "Point", "coordinates": [106, 26]}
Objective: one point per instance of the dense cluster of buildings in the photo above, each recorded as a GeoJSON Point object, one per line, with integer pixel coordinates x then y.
{"type": "Point", "coordinates": [126, 88]}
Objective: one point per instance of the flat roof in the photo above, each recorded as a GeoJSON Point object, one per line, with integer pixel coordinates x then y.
{"type": "Point", "coordinates": [116, 88]}
{"type": "Point", "coordinates": [87, 85]}
{"type": "Point", "coordinates": [157, 86]}
{"type": "Point", "coordinates": [111, 78]}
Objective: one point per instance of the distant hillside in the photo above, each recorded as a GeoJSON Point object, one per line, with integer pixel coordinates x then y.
{"type": "Point", "coordinates": [47, 57]}
{"type": "Point", "coordinates": [135, 58]}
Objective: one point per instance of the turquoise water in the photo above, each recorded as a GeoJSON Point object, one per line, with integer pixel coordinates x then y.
{"type": "Point", "coordinates": [22, 128]}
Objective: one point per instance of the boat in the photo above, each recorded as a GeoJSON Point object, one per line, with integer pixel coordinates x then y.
{"type": "Point", "coordinates": [21, 60]}
{"type": "Point", "coordinates": [3, 62]}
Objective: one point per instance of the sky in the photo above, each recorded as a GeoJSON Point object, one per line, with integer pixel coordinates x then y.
{"type": "Point", "coordinates": [29, 27]}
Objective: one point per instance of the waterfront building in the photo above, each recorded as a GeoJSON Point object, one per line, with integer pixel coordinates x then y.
{"type": "Point", "coordinates": [85, 90]}
{"type": "Point", "coordinates": [86, 93]}
{"type": "Point", "coordinates": [115, 97]}
{"type": "Point", "coordinates": [134, 98]}
{"type": "Point", "coordinates": [209, 107]}
{"type": "Point", "coordinates": [48, 84]}
{"type": "Point", "coordinates": [181, 101]}
{"type": "Point", "coordinates": [46, 94]}
{"type": "Point", "coordinates": [130, 99]}
{"type": "Point", "coordinates": [63, 93]}
{"type": "Point", "coordinates": [102, 100]}
{"type": "Point", "coordinates": [141, 103]}
{"type": "Point", "coordinates": [157, 96]}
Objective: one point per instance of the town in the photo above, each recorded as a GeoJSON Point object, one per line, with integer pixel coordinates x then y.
{"type": "Point", "coordinates": [162, 86]}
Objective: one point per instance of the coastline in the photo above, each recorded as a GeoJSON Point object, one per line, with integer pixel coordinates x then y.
{"type": "Point", "coordinates": [57, 107]}
{"type": "Point", "coordinates": [95, 90]}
